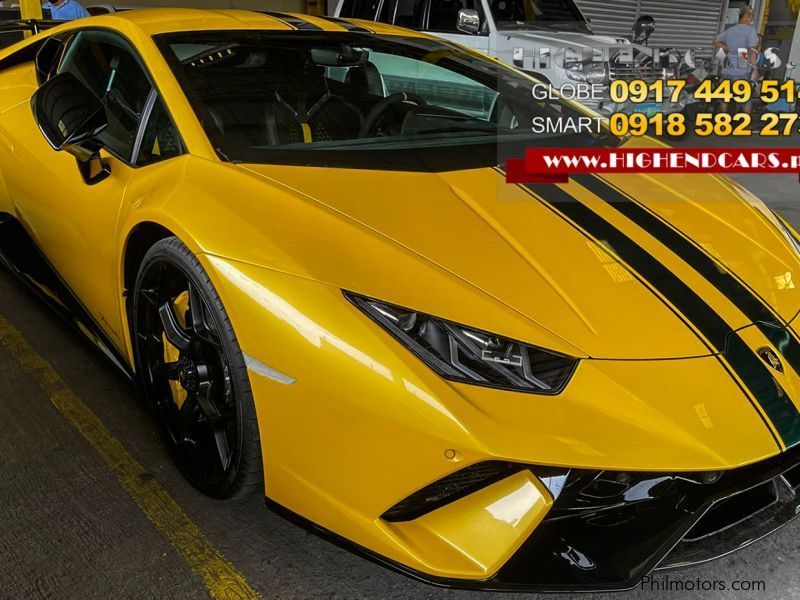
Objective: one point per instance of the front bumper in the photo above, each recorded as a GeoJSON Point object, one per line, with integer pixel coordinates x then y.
{"type": "Point", "coordinates": [406, 427]}
{"type": "Point", "coordinates": [607, 530]}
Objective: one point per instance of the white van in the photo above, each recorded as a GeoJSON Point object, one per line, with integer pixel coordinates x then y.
{"type": "Point", "coordinates": [521, 33]}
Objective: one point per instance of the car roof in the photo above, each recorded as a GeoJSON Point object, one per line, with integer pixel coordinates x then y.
{"type": "Point", "coordinates": [154, 21]}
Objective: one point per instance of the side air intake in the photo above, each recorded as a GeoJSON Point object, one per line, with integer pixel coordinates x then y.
{"type": "Point", "coordinates": [449, 489]}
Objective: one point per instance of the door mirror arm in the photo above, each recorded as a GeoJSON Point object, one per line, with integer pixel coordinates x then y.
{"type": "Point", "coordinates": [92, 167]}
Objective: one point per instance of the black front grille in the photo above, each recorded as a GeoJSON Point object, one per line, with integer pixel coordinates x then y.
{"type": "Point", "coordinates": [731, 511]}
{"type": "Point", "coordinates": [646, 72]}
{"type": "Point", "coordinates": [737, 520]}
{"type": "Point", "coordinates": [792, 476]}
{"type": "Point", "coordinates": [608, 529]}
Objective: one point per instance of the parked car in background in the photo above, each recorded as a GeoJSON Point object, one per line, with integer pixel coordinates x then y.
{"type": "Point", "coordinates": [524, 33]}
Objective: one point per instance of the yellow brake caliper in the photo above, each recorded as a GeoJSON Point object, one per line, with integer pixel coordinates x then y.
{"type": "Point", "coordinates": [171, 353]}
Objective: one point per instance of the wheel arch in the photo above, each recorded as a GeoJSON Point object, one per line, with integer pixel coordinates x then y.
{"type": "Point", "coordinates": [135, 240]}
{"type": "Point", "coordinates": [139, 240]}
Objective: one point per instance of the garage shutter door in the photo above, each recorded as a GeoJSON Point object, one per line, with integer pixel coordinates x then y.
{"type": "Point", "coordinates": [610, 17]}
{"type": "Point", "coordinates": [684, 24]}
{"type": "Point", "coordinates": [678, 24]}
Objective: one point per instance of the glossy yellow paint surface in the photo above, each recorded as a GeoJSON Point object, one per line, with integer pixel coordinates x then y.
{"type": "Point", "coordinates": [366, 423]}
{"type": "Point", "coordinates": [371, 427]}
{"type": "Point", "coordinates": [474, 536]}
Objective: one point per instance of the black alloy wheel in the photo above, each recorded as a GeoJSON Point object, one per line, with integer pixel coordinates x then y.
{"type": "Point", "coordinates": [194, 374]}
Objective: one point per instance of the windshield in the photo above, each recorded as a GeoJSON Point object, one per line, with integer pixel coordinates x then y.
{"type": "Point", "coordinates": [542, 13]}
{"type": "Point", "coordinates": [357, 100]}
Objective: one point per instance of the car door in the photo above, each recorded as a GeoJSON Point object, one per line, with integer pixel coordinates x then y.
{"type": "Point", "coordinates": [432, 16]}
{"type": "Point", "coordinates": [74, 221]}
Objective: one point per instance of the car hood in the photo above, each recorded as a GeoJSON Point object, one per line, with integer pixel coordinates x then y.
{"type": "Point", "coordinates": [509, 245]}
{"type": "Point", "coordinates": [563, 39]}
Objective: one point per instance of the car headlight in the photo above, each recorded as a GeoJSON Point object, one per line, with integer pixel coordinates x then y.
{"type": "Point", "coordinates": [468, 355]}
{"type": "Point", "coordinates": [590, 72]}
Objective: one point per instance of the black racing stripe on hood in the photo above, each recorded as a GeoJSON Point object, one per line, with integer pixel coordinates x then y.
{"type": "Point", "coordinates": [711, 269]}
{"type": "Point", "coordinates": [742, 296]}
{"type": "Point", "coordinates": [295, 22]}
{"type": "Point", "coordinates": [347, 25]}
{"type": "Point", "coordinates": [669, 307]}
{"type": "Point", "coordinates": [750, 369]}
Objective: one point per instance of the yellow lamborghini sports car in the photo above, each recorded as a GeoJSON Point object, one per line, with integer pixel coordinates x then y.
{"type": "Point", "coordinates": [296, 234]}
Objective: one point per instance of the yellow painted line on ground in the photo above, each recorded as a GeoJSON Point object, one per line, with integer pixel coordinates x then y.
{"type": "Point", "coordinates": [221, 578]}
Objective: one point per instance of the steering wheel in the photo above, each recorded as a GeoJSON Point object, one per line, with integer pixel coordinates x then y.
{"type": "Point", "coordinates": [377, 112]}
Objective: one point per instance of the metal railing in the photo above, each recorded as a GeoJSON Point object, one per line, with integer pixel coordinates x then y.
{"type": "Point", "coordinates": [26, 25]}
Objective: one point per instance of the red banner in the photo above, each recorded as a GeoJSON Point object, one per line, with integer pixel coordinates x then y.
{"type": "Point", "coordinates": [555, 165]}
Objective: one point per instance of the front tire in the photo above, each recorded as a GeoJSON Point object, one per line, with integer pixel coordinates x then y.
{"type": "Point", "coordinates": [193, 373]}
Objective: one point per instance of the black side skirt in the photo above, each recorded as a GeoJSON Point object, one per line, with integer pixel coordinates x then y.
{"type": "Point", "coordinates": [20, 254]}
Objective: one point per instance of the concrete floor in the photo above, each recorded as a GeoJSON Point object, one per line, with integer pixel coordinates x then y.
{"type": "Point", "coordinates": [68, 529]}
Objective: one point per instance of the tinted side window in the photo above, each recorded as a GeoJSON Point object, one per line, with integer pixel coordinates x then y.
{"type": "Point", "coordinates": [360, 9]}
{"type": "Point", "coordinates": [161, 140]}
{"type": "Point", "coordinates": [443, 14]}
{"type": "Point", "coordinates": [438, 86]}
{"type": "Point", "coordinates": [107, 66]}
{"type": "Point", "coordinates": [403, 13]}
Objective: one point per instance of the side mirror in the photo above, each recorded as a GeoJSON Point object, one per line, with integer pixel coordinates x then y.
{"type": "Point", "coordinates": [67, 112]}
{"type": "Point", "coordinates": [70, 116]}
{"type": "Point", "coordinates": [643, 28]}
{"type": "Point", "coordinates": [469, 21]}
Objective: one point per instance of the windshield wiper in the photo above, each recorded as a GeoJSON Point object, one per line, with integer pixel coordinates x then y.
{"type": "Point", "coordinates": [548, 25]}
{"type": "Point", "coordinates": [572, 24]}
{"type": "Point", "coordinates": [515, 25]}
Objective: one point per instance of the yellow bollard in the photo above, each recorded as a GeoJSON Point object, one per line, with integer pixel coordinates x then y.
{"type": "Point", "coordinates": [30, 9]}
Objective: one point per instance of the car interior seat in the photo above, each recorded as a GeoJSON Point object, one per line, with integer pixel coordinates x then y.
{"type": "Point", "coordinates": [303, 94]}
{"type": "Point", "coordinates": [366, 79]}
{"type": "Point", "coordinates": [287, 102]}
